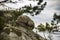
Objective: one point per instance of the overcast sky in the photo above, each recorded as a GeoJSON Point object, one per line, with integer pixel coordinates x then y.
{"type": "Point", "coordinates": [46, 15]}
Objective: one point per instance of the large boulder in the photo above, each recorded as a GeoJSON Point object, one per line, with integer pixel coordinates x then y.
{"type": "Point", "coordinates": [22, 32]}
{"type": "Point", "coordinates": [25, 21]}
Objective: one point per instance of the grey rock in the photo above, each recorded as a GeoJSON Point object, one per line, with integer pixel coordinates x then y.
{"type": "Point", "coordinates": [25, 21]}
{"type": "Point", "coordinates": [20, 33]}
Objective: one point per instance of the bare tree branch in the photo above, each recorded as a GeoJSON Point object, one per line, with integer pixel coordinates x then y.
{"type": "Point", "coordinates": [3, 1]}
{"type": "Point", "coordinates": [6, 6]}
{"type": "Point", "coordinates": [6, 1]}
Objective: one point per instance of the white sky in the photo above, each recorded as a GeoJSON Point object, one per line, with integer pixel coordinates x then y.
{"type": "Point", "coordinates": [46, 15]}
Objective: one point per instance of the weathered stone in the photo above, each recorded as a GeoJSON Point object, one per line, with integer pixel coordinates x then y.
{"type": "Point", "coordinates": [21, 33]}
{"type": "Point", "coordinates": [25, 21]}
{"type": "Point", "coordinates": [4, 36]}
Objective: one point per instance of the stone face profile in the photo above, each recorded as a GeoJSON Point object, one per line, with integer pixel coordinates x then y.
{"type": "Point", "coordinates": [25, 21]}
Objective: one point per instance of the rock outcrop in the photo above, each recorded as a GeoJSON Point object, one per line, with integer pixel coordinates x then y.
{"type": "Point", "coordinates": [23, 32]}
{"type": "Point", "coordinates": [25, 21]}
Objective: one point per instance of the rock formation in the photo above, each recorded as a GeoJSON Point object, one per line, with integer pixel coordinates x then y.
{"type": "Point", "coordinates": [25, 21]}
{"type": "Point", "coordinates": [23, 32]}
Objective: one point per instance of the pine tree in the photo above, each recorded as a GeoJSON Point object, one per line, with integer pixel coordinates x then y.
{"type": "Point", "coordinates": [56, 19]}
{"type": "Point", "coordinates": [10, 16]}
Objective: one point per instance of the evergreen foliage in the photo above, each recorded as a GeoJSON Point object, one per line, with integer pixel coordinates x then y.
{"type": "Point", "coordinates": [9, 17]}
{"type": "Point", "coordinates": [56, 19]}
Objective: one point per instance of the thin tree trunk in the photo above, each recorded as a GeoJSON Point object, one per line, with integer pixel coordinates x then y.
{"type": "Point", "coordinates": [50, 36]}
{"type": "Point", "coordinates": [44, 35]}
